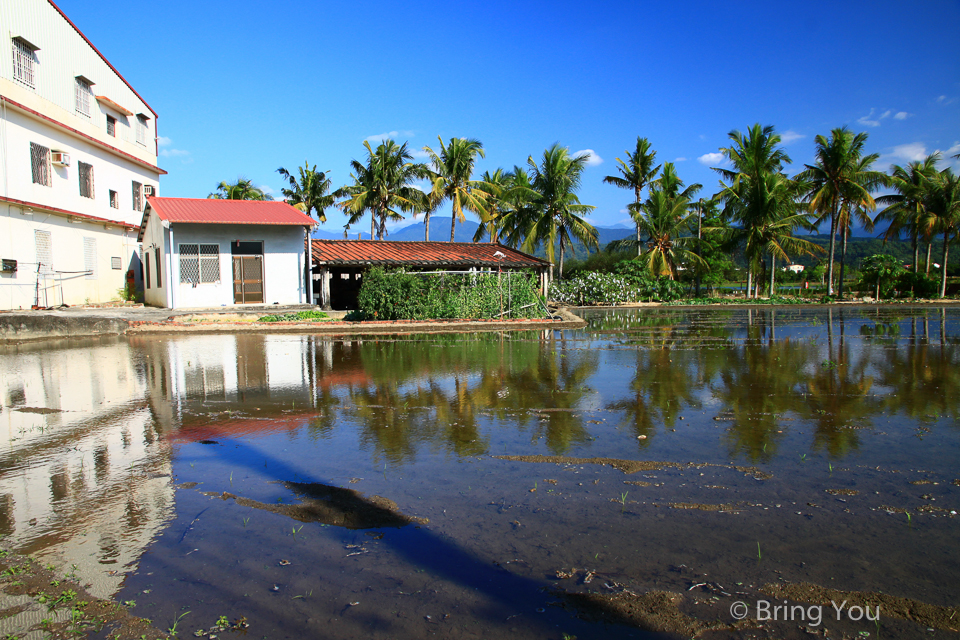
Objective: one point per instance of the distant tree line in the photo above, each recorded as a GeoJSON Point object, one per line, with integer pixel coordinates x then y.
{"type": "Point", "coordinates": [756, 216]}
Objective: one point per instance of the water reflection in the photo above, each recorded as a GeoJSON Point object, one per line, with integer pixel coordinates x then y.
{"type": "Point", "coordinates": [90, 428]}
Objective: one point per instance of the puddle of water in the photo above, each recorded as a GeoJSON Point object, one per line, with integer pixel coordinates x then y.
{"type": "Point", "coordinates": [403, 486]}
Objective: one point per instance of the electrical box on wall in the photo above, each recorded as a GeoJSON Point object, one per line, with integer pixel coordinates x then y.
{"type": "Point", "coordinates": [8, 266]}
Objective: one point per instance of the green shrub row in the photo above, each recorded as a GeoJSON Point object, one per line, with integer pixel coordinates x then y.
{"type": "Point", "coordinates": [402, 295]}
{"type": "Point", "coordinates": [629, 283]}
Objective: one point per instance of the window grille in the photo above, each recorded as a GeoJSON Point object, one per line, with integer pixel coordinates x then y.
{"type": "Point", "coordinates": [90, 258]}
{"type": "Point", "coordinates": [111, 126]}
{"type": "Point", "coordinates": [40, 164]}
{"type": "Point", "coordinates": [24, 60]}
{"type": "Point", "coordinates": [114, 199]}
{"type": "Point", "coordinates": [199, 264]}
{"type": "Point", "coordinates": [86, 179]}
{"type": "Point", "coordinates": [137, 196]}
{"type": "Point", "coordinates": [116, 263]}
{"type": "Point", "coordinates": [44, 251]}
{"type": "Point", "coordinates": [209, 263]}
{"type": "Point", "coordinates": [189, 264]}
{"type": "Point", "coordinates": [142, 130]}
{"type": "Point", "coordinates": [82, 92]}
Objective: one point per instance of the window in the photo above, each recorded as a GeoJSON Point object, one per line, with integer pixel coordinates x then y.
{"type": "Point", "coordinates": [114, 199]}
{"type": "Point", "coordinates": [141, 129]}
{"type": "Point", "coordinates": [137, 196]}
{"type": "Point", "coordinates": [86, 179]}
{"type": "Point", "coordinates": [111, 126]}
{"type": "Point", "coordinates": [199, 263]}
{"type": "Point", "coordinates": [44, 251]}
{"type": "Point", "coordinates": [40, 164]}
{"type": "Point", "coordinates": [146, 269]}
{"type": "Point", "coordinates": [24, 62]}
{"type": "Point", "coordinates": [82, 91]}
{"type": "Point", "coordinates": [156, 255]}
{"type": "Point", "coordinates": [116, 263]}
{"type": "Point", "coordinates": [90, 257]}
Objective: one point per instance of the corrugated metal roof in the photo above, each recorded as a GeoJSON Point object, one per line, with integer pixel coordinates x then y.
{"type": "Point", "coordinates": [392, 253]}
{"type": "Point", "coordinates": [212, 211]}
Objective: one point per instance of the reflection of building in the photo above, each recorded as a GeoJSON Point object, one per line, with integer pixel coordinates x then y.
{"type": "Point", "coordinates": [84, 475]}
{"type": "Point", "coordinates": [78, 155]}
{"type": "Point", "coordinates": [212, 253]}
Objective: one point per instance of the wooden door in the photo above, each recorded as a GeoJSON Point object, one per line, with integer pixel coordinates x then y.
{"type": "Point", "coordinates": [247, 279]}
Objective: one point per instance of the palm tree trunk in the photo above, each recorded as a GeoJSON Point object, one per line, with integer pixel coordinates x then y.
{"type": "Point", "coordinates": [916, 252]}
{"type": "Point", "coordinates": [453, 225]}
{"type": "Point", "coordinates": [561, 258]}
{"type": "Point", "coordinates": [749, 293]}
{"type": "Point", "coordinates": [943, 266]}
{"type": "Point", "coordinates": [426, 227]}
{"type": "Point", "coordinates": [639, 243]}
{"type": "Point", "coordinates": [373, 223]}
{"type": "Point", "coordinates": [843, 257]}
{"type": "Point", "coordinates": [833, 246]}
{"type": "Point", "coordinates": [773, 264]}
{"type": "Point", "coordinates": [929, 248]}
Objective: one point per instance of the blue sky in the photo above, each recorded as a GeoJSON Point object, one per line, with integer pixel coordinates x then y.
{"type": "Point", "coordinates": [242, 88]}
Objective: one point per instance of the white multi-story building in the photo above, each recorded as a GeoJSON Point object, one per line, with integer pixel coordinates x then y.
{"type": "Point", "coordinates": [78, 156]}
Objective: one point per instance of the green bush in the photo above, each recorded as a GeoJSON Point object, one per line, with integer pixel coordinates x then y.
{"type": "Point", "coordinates": [630, 284]}
{"type": "Point", "coordinates": [920, 284]}
{"type": "Point", "coordinates": [130, 293]}
{"type": "Point", "coordinates": [402, 295]}
{"type": "Point", "coordinates": [299, 316]}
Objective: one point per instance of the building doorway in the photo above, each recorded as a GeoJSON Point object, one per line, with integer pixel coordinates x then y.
{"type": "Point", "coordinates": [247, 272]}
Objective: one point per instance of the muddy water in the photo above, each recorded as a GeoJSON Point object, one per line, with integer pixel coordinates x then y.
{"type": "Point", "coordinates": [463, 486]}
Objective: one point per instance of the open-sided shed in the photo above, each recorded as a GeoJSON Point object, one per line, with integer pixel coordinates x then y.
{"type": "Point", "coordinates": [338, 265]}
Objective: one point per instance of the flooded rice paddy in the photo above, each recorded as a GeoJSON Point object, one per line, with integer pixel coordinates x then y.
{"type": "Point", "coordinates": [632, 479]}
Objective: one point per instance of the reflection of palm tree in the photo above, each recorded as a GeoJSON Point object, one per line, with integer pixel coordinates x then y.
{"type": "Point", "coordinates": [925, 381]}
{"type": "Point", "coordinates": [838, 401]}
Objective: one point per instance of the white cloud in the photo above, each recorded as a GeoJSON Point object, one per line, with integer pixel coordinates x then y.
{"type": "Point", "coordinates": [906, 152]}
{"type": "Point", "coordinates": [952, 151]}
{"type": "Point", "coordinates": [680, 159]}
{"type": "Point", "coordinates": [886, 114]}
{"type": "Point", "coordinates": [714, 158]}
{"type": "Point", "coordinates": [944, 100]}
{"type": "Point", "coordinates": [867, 122]}
{"type": "Point", "coordinates": [592, 158]}
{"type": "Point", "coordinates": [901, 115]}
{"type": "Point", "coordinates": [790, 136]}
{"type": "Point", "coordinates": [380, 137]}
{"type": "Point", "coordinates": [419, 154]}
{"type": "Point", "coordinates": [164, 141]}
{"type": "Point", "coordinates": [173, 153]}
{"type": "Point", "coordinates": [624, 211]}
{"type": "Point", "coordinates": [267, 190]}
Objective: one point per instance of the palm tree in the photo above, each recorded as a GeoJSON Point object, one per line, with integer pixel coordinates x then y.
{"type": "Point", "coordinates": [667, 222]}
{"type": "Point", "coordinates": [555, 216]}
{"type": "Point", "coordinates": [840, 183]}
{"type": "Point", "coordinates": [310, 193]}
{"type": "Point", "coordinates": [746, 199]}
{"type": "Point", "coordinates": [497, 185]}
{"type": "Point", "coordinates": [905, 208]}
{"type": "Point", "coordinates": [520, 201]}
{"type": "Point", "coordinates": [942, 214]}
{"type": "Point", "coordinates": [242, 189]}
{"type": "Point", "coordinates": [636, 172]}
{"type": "Point", "coordinates": [383, 187]}
{"type": "Point", "coordinates": [452, 170]}
{"type": "Point", "coordinates": [670, 183]}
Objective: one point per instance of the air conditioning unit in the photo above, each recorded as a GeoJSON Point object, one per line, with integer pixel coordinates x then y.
{"type": "Point", "coordinates": [60, 158]}
{"type": "Point", "coordinates": [148, 190]}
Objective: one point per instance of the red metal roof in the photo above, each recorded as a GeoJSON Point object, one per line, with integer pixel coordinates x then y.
{"type": "Point", "coordinates": [212, 211]}
{"type": "Point", "coordinates": [435, 254]}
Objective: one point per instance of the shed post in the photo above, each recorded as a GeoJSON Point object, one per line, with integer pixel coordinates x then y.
{"type": "Point", "coordinates": [325, 288]}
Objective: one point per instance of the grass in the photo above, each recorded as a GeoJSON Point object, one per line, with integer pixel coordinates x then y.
{"type": "Point", "coordinates": [299, 316]}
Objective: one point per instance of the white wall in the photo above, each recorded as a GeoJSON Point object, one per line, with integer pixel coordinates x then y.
{"type": "Point", "coordinates": [18, 290]}
{"type": "Point", "coordinates": [282, 263]}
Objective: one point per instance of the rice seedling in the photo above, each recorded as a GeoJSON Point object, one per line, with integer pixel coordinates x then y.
{"type": "Point", "coordinates": [245, 521]}
{"type": "Point", "coordinates": [173, 630]}
{"type": "Point", "coordinates": [296, 530]}
{"type": "Point", "coordinates": [759, 557]}
{"type": "Point", "coordinates": [623, 500]}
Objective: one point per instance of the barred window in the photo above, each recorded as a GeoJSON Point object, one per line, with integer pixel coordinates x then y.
{"type": "Point", "coordinates": [86, 179]}
{"type": "Point", "coordinates": [116, 263]}
{"type": "Point", "coordinates": [141, 130]}
{"type": "Point", "coordinates": [111, 126]}
{"type": "Point", "coordinates": [90, 257]}
{"type": "Point", "coordinates": [82, 91]}
{"type": "Point", "coordinates": [40, 164]}
{"type": "Point", "coordinates": [137, 196]}
{"type": "Point", "coordinates": [199, 263]}
{"type": "Point", "coordinates": [24, 62]}
{"type": "Point", "coordinates": [114, 199]}
{"type": "Point", "coordinates": [44, 250]}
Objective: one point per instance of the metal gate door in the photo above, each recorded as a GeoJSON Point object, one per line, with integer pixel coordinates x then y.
{"type": "Point", "coordinates": [247, 279]}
